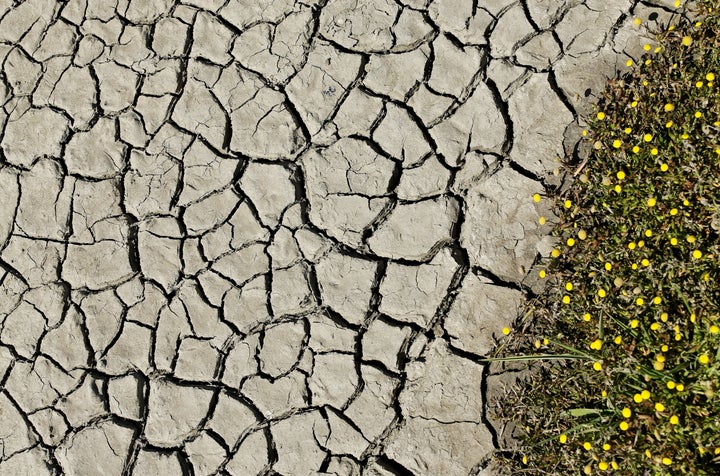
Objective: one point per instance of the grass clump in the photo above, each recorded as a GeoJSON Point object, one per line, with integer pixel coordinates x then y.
{"type": "Point", "coordinates": [632, 301]}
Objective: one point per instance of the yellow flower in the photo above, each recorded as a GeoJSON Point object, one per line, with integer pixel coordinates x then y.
{"type": "Point", "coordinates": [631, 245]}
{"type": "Point", "coordinates": [654, 151]}
{"type": "Point", "coordinates": [669, 124]}
{"type": "Point", "coordinates": [606, 447]}
{"type": "Point", "coordinates": [647, 137]}
{"type": "Point", "coordinates": [596, 344]}
{"type": "Point", "coordinates": [566, 299]}
{"type": "Point", "coordinates": [587, 317]}
{"type": "Point", "coordinates": [637, 21]}
{"type": "Point", "coordinates": [634, 104]}
{"type": "Point", "coordinates": [664, 316]}
{"type": "Point", "coordinates": [673, 241]}
{"type": "Point", "coordinates": [624, 425]}
{"type": "Point", "coordinates": [506, 330]}
{"type": "Point", "coordinates": [542, 273]}
{"type": "Point", "coordinates": [567, 204]}
{"type": "Point", "coordinates": [698, 114]}
{"type": "Point", "coordinates": [657, 300]}
{"type": "Point", "coordinates": [618, 189]}
{"type": "Point", "coordinates": [697, 254]}
{"type": "Point", "coordinates": [654, 326]}
{"type": "Point", "coordinates": [645, 262]}
{"type": "Point", "coordinates": [664, 167]}
{"type": "Point", "coordinates": [542, 220]}
{"type": "Point", "coordinates": [673, 211]}
{"type": "Point", "coordinates": [555, 253]}
{"type": "Point", "coordinates": [627, 130]}
{"type": "Point", "coordinates": [626, 412]}
{"type": "Point", "coordinates": [629, 62]}
{"type": "Point", "coordinates": [634, 323]}
{"type": "Point", "coordinates": [536, 197]}
{"type": "Point", "coordinates": [614, 464]}
{"type": "Point", "coordinates": [659, 407]}
{"type": "Point", "coordinates": [704, 359]}
{"type": "Point", "coordinates": [618, 340]}
{"type": "Point", "coordinates": [691, 239]}
{"type": "Point", "coordinates": [710, 77]}
{"type": "Point", "coordinates": [667, 461]}
{"type": "Point", "coordinates": [582, 234]}
{"type": "Point", "coordinates": [687, 41]}
{"type": "Point", "coordinates": [645, 395]}
{"type": "Point", "coordinates": [647, 47]}
{"type": "Point", "coordinates": [714, 329]}
{"type": "Point", "coordinates": [524, 459]}
{"type": "Point", "coordinates": [664, 348]}
{"type": "Point", "coordinates": [669, 107]}
{"type": "Point", "coordinates": [639, 301]}
{"type": "Point", "coordinates": [641, 243]}
{"type": "Point", "coordinates": [597, 366]}
{"type": "Point", "coordinates": [601, 115]}
{"type": "Point", "coordinates": [674, 420]}
{"type": "Point", "coordinates": [651, 202]}
{"type": "Point", "coordinates": [637, 398]}
{"type": "Point", "coordinates": [670, 384]}
{"type": "Point", "coordinates": [608, 266]}
{"type": "Point", "coordinates": [602, 293]}
{"type": "Point", "coordinates": [569, 286]}
{"type": "Point", "coordinates": [636, 149]}
{"type": "Point", "coordinates": [563, 438]}
{"type": "Point", "coordinates": [620, 175]}
{"type": "Point", "coordinates": [699, 84]}
{"type": "Point", "coordinates": [648, 233]}
{"type": "Point", "coordinates": [570, 241]}
{"type": "Point", "coordinates": [587, 445]}
{"type": "Point", "coordinates": [603, 466]}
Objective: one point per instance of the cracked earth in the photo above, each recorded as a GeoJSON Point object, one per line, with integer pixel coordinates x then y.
{"type": "Point", "coordinates": [277, 237]}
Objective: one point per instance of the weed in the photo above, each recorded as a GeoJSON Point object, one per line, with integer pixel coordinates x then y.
{"type": "Point", "coordinates": [632, 302]}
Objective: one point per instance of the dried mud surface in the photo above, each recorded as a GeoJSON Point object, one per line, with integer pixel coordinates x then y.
{"type": "Point", "coordinates": [277, 237]}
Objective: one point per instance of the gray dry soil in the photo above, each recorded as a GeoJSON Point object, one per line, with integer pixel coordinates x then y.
{"type": "Point", "coordinates": [277, 237]}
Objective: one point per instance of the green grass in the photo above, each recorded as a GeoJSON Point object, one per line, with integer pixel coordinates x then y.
{"type": "Point", "coordinates": [632, 298]}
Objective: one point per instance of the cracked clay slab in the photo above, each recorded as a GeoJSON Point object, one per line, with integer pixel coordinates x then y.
{"type": "Point", "coordinates": [275, 237]}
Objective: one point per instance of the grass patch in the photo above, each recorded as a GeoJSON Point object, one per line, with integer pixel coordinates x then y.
{"type": "Point", "coordinates": [632, 302]}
